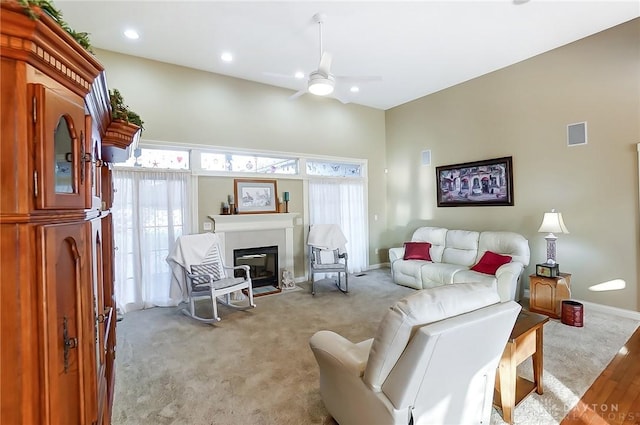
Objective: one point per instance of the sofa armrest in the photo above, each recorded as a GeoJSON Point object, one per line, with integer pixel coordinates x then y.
{"type": "Point", "coordinates": [337, 352]}
{"type": "Point", "coordinates": [507, 276]}
{"type": "Point", "coordinates": [396, 254]}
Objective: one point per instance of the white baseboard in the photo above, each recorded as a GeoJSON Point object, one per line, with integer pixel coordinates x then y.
{"type": "Point", "coordinates": [379, 266]}
{"type": "Point", "coordinates": [614, 311]}
{"type": "Point", "coordinates": [301, 279]}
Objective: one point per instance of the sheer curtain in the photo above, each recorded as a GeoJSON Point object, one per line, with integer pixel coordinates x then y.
{"type": "Point", "coordinates": [342, 202]}
{"type": "Point", "coordinates": [150, 210]}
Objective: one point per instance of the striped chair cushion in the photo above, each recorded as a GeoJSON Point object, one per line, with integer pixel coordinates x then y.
{"type": "Point", "coordinates": [323, 256]}
{"type": "Point", "coordinates": [211, 265]}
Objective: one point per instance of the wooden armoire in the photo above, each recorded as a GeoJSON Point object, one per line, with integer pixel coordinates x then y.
{"type": "Point", "coordinates": [57, 308]}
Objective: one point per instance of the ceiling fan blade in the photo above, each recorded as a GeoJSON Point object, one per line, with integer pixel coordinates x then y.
{"type": "Point", "coordinates": [325, 63]}
{"type": "Point", "coordinates": [357, 79]}
{"type": "Point", "coordinates": [278, 75]}
{"type": "Point", "coordinates": [297, 94]}
{"type": "Point", "coordinates": [342, 99]}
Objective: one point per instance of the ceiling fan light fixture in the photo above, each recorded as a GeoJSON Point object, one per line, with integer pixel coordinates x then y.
{"type": "Point", "coordinates": [321, 85]}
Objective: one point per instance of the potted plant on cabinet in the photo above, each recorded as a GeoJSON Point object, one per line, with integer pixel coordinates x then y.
{"type": "Point", "coordinates": [30, 8]}
{"type": "Point", "coordinates": [120, 111]}
{"type": "Point", "coordinates": [126, 125]}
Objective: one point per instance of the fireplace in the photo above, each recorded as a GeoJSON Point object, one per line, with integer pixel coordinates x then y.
{"type": "Point", "coordinates": [246, 231]}
{"type": "Point", "coordinates": [262, 262]}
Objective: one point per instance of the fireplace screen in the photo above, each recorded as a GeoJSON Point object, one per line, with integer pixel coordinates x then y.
{"type": "Point", "coordinates": [262, 262]}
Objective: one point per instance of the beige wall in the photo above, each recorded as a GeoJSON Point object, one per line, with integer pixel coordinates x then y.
{"type": "Point", "coordinates": [186, 106]}
{"type": "Point", "coordinates": [522, 111]}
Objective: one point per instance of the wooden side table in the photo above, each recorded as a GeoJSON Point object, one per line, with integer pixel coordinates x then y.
{"type": "Point", "coordinates": [525, 341]}
{"type": "Point", "coordinates": [547, 293]}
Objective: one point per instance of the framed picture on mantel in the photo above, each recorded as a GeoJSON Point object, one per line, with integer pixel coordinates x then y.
{"type": "Point", "coordinates": [256, 196]}
{"type": "Point", "coordinates": [475, 184]}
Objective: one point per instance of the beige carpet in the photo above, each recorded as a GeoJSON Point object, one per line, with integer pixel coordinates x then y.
{"type": "Point", "coordinates": [255, 367]}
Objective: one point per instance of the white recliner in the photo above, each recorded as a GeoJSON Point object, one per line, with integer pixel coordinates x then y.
{"type": "Point", "coordinates": [433, 360]}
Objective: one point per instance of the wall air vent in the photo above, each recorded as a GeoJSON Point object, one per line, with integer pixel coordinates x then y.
{"type": "Point", "coordinates": [426, 157]}
{"type": "Point", "coordinates": [577, 134]}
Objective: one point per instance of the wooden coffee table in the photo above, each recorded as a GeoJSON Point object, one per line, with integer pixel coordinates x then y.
{"type": "Point", "coordinates": [525, 341]}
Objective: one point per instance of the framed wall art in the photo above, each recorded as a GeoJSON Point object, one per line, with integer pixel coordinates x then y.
{"type": "Point", "coordinates": [479, 183]}
{"type": "Point", "coordinates": [255, 196]}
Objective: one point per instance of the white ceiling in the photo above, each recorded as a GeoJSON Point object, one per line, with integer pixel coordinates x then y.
{"type": "Point", "coordinates": [417, 47]}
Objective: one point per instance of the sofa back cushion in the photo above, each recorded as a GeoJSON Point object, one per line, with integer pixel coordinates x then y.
{"type": "Point", "coordinates": [436, 236]}
{"type": "Point", "coordinates": [505, 243]}
{"type": "Point", "coordinates": [461, 247]}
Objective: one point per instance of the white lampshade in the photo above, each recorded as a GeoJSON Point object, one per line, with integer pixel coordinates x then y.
{"type": "Point", "coordinates": [552, 223]}
{"type": "Point", "coordinates": [320, 85]}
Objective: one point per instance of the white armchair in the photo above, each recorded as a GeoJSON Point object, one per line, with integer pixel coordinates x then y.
{"type": "Point", "coordinates": [433, 360]}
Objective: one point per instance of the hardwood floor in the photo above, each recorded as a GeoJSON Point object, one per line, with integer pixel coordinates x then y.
{"type": "Point", "coordinates": [614, 397]}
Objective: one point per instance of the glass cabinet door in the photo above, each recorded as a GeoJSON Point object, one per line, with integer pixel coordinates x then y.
{"type": "Point", "coordinates": [63, 151]}
{"type": "Point", "coordinates": [61, 178]}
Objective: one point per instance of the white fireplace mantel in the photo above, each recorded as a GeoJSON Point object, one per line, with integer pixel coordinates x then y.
{"type": "Point", "coordinates": [276, 229]}
{"type": "Point", "coordinates": [249, 222]}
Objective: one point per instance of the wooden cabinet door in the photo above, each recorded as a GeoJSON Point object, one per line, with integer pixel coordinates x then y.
{"type": "Point", "coordinates": [69, 347]}
{"type": "Point", "coordinates": [108, 281]}
{"type": "Point", "coordinates": [62, 173]}
{"type": "Point", "coordinates": [101, 315]}
{"type": "Point", "coordinates": [108, 190]}
{"type": "Point", "coordinates": [542, 295]}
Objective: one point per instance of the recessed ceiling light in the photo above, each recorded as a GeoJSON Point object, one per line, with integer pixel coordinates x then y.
{"type": "Point", "coordinates": [131, 34]}
{"type": "Point", "coordinates": [299, 75]}
{"type": "Point", "coordinates": [226, 57]}
{"type": "Point", "coordinates": [354, 89]}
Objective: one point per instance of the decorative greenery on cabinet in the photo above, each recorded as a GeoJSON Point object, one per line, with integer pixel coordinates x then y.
{"type": "Point", "coordinates": [47, 6]}
{"type": "Point", "coordinates": [120, 111]}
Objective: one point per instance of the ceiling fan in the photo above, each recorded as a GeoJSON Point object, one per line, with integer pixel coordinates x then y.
{"type": "Point", "coordinates": [322, 82]}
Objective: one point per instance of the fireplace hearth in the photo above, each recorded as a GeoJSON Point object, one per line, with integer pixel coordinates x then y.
{"type": "Point", "coordinates": [262, 262]}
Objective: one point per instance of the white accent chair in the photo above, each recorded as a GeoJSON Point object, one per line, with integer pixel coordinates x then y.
{"type": "Point", "coordinates": [199, 258]}
{"type": "Point", "coordinates": [327, 254]}
{"type": "Point", "coordinates": [433, 360]}
{"type": "Point", "coordinates": [329, 261]}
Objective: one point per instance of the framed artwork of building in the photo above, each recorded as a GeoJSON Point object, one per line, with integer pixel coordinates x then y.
{"type": "Point", "coordinates": [479, 183]}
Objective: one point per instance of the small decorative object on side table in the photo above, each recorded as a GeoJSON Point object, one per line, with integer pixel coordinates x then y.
{"type": "Point", "coordinates": [547, 293]}
{"type": "Point", "coordinates": [548, 270]}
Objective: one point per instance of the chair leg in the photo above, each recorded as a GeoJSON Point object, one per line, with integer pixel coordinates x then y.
{"type": "Point", "coordinates": [192, 306]}
{"type": "Point", "coordinates": [339, 284]}
{"type": "Point", "coordinates": [250, 291]}
{"type": "Point", "coordinates": [214, 304]}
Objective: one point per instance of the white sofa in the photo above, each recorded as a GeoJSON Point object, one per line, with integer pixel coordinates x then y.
{"type": "Point", "coordinates": [455, 252]}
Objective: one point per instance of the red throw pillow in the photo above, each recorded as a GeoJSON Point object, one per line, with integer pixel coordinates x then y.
{"type": "Point", "coordinates": [417, 251]}
{"type": "Point", "coordinates": [490, 262]}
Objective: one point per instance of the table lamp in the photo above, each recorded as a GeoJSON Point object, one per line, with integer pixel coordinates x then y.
{"type": "Point", "coordinates": [552, 223]}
